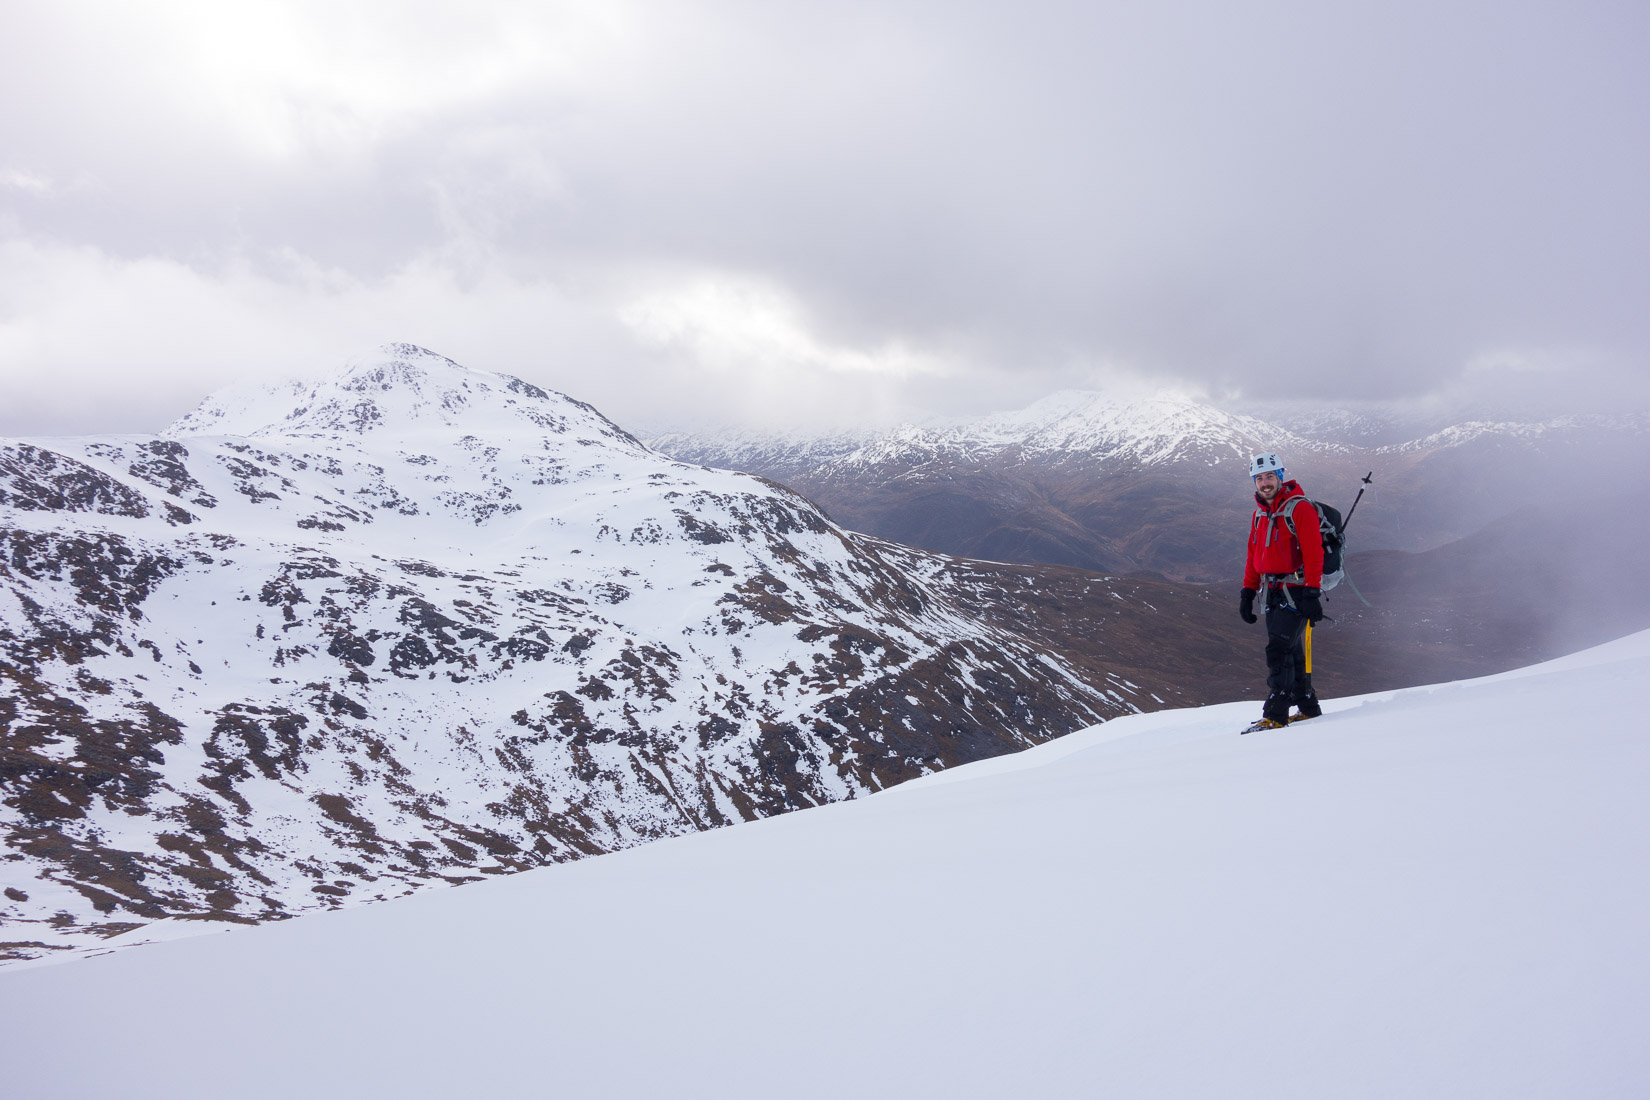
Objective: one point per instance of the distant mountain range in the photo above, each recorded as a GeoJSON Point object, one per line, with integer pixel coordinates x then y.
{"type": "Point", "coordinates": [1159, 485]}
{"type": "Point", "coordinates": [416, 624]}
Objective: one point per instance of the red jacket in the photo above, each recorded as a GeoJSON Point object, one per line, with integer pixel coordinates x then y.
{"type": "Point", "coordinates": [1272, 549]}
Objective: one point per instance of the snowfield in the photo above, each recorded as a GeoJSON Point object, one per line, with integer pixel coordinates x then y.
{"type": "Point", "coordinates": [1437, 892]}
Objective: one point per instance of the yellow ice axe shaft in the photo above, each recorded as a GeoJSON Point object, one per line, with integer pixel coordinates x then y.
{"type": "Point", "coordinates": [1308, 644]}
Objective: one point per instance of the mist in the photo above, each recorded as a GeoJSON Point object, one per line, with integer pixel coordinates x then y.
{"type": "Point", "coordinates": [1527, 587]}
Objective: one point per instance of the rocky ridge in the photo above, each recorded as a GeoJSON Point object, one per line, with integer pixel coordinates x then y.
{"type": "Point", "coordinates": [415, 624]}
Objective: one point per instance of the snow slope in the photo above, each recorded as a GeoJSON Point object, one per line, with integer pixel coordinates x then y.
{"type": "Point", "coordinates": [1438, 892]}
{"type": "Point", "coordinates": [413, 623]}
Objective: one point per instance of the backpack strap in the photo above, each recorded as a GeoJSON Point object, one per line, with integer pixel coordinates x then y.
{"type": "Point", "coordinates": [1271, 519]}
{"type": "Point", "coordinates": [1348, 580]}
{"type": "Point", "coordinates": [1288, 513]}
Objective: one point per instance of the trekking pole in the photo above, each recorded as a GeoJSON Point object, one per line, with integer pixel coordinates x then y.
{"type": "Point", "coordinates": [1366, 479]}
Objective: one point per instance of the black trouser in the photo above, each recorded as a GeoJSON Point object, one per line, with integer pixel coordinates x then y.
{"type": "Point", "coordinates": [1286, 675]}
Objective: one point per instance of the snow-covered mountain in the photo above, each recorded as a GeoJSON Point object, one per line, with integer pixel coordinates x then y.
{"type": "Point", "coordinates": [1116, 434]}
{"type": "Point", "coordinates": [1072, 425]}
{"type": "Point", "coordinates": [1157, 484]}
{"type": "Point", "coordinates": [1429, 893]}
{"type": "Point", "coordinates": [416, 624]}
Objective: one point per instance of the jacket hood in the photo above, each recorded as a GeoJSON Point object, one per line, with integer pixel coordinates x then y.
{"type": "Point", "coordinates": [1291, 488]}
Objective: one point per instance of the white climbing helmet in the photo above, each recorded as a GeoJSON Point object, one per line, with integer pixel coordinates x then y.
{"type": "Point", "coordinates": [1265, 464]}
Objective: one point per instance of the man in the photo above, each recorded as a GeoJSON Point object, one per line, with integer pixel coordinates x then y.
{"type": "Point", "coordinates": [1285, 561]}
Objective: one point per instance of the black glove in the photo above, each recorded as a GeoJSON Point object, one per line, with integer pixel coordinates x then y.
{"type": "Point", "coordinates": [1246, 606]}
{"type": "Point", "coordinates": [1308, 604]}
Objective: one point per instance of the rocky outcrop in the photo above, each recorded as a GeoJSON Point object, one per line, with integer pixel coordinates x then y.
{"type": "Point", "coordinates": [418, 624]}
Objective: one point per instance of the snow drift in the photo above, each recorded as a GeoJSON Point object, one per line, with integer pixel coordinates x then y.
{"type": "Point", "coordinates": [1432, 892]}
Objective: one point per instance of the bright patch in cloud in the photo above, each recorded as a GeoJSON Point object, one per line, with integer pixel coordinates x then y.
{"type": "Point", "coordinates": [744, 325]}
{"type": "Point", "coordinates": [24, 181]}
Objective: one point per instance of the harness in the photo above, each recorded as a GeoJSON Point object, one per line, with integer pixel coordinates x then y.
{"type": "Point", "coordinates": [1286, 513]}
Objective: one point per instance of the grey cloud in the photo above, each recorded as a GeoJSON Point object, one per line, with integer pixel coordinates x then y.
{"type": "Point", "coordinates": [1335, 202]}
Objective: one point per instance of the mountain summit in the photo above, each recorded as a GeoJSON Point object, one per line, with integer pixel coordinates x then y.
{"type": "Point", "coordinates": [415, 624]}
{"type": "Point", "coordinates": [399, 389]}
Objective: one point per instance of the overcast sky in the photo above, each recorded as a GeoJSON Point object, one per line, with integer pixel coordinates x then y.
{"type": "Point", "coordinates": [775, 211]}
